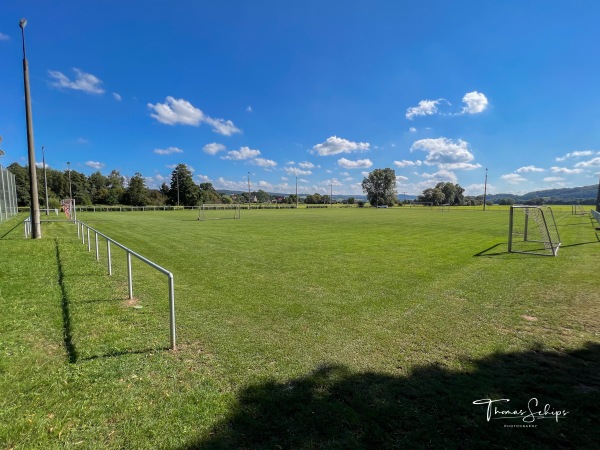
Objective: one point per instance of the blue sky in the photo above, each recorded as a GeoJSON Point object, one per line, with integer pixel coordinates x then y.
{"type": "Point", "coordinates": [324, 91]}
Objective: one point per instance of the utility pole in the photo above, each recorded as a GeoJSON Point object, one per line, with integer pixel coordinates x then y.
{"type": "Point", "coordinates": [45, 179]}
{"type": "Point", "coordinates": [485, 189]}
{"type": "Point", "coordinates": [36, 229]}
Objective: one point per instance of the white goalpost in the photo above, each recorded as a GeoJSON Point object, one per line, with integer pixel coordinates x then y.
{"type": "Point", "coordinates": [210, 211]}
{"type": "Point", "coordinates": [532, 229]}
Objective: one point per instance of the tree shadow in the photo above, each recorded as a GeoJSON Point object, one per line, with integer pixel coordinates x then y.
{"type": "Point", "coordinates": [432, 407]}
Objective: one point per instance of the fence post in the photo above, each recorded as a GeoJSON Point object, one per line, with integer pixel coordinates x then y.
{"type": "Point", "coordinates": [88, 238]}
{"type": "Point", "coordinates": [129, 279]}
{"type": "Point", "coordinates": [97, 252]}
{"type": "Point", "coordinates": [172, 311]}
{"type": "Point", "coordinates": [108, 257]}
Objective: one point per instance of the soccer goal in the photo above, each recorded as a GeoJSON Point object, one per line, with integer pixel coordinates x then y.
{"type": "Point", "coordinates": [532, 229]}
{"type": "Point", "coordinates": [577, 210]}
{"type": "Point", "coordinates": [219, 211]}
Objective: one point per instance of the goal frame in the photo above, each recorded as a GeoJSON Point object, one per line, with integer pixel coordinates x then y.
{"type": "Point", "coordinates": [540, 229]}
{"type": "Point", "coordinates": [234, 207]}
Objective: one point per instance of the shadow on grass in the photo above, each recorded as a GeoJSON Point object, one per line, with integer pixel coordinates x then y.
{"type": "Point", "coordinates": [433, 407]}
{"type": "Point", "coordinates": [125, 352]}
{"type": "Point", "coordinates": [488, 251]}
{"type": "Point", "coordinates": [66, 314]}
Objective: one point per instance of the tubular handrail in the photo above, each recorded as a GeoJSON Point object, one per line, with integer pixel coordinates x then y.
{"type": "Point", "coordinates": [80, 233]}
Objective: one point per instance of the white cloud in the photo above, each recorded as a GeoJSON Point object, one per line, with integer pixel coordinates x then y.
{"type": "Point", "coordinates": [241, 154]}
{"type": "Point", "coordinates": [249, 108]}
{"type": "Point", "coordinates": [565, 170]}
{"type": "Point", "coordinates": [365, 174]}
{"type": "Point", "coordinates": [529, 169]}
{"type": "Point", "coordinates": [306, 165]}
{"type": "Point", "coordinates": [476, 103]}
{"type": "Point", "coordinates": [412, 130]}
{"type": "Point", "coordinates": [179, 111]}
{"type": "Point", "coordinates": [513, 178]}
{"type": "Point", "coordinates": [117, 97]}
{"type": "Point", "coordinates": [175, 111]}
{"type": "Point", "coordinates": [441, 175]}
{"type": "Point", "coordinates": [39, 164]}
{"type": "Point", "coordinates": [222, 183]}
{"type": "Point", "coordinates": [85, 82]}
{"type": "Point", "coordinates": [576, 154]}
{"type": "Point", "coordinates": [264, 185]}
{"type": "Point", "coordinates": [171, 166]}
{"type": "Point", "coordinates": [213, 148]}
{"type": "Point", "coordinates": [203, 178]}
{"type": "Point", "coordinates": [406, 163]}
{"type": "Point", "coordinates": [553, 179]}
{"type": "Point", "coordinates": [222, 126]}
{"type": "Point", "coordinates": [167, 151]}
{"type": "Point", "coordinates": [4, 37]}
{"type": "Point", "coordinates": [359, 164]}
{"type": "Point", "coordinates": [446, 153]}
{"type": "Point", "coordinates": [296, 171]}
{"type": "Point", "coordinates": [335, 145]}
{"type": "Point", "coordinates": [425, 108]}
{"type": "Point", "coordinates": [347, 179]}
{"type": "Point", "coordinates": [594, 162]}
{"type": "Point", "coordinates": [266, 163]}
{"type": "Point", "coordinates": [401, 178]}
{"type": "Point", "coordinates": [95, 165]}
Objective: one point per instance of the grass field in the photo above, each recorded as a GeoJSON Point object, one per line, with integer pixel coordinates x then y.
{"type": "Point", "coordinates": [343, 328]}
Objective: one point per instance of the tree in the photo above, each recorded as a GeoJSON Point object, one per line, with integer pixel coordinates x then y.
{"type": "Point", "coordinates": [208, 194]}
{"type": "Point", "coordinates": [351, 200]}
{"type": "Point", "coordinates": [432, 195]}
{"type": "Point", "coordinates": [262, 196]}
{"type": "Point", "coordinates": [116, 188]}
{"type": "Point", "coordinates": [183, 190]}
{"type": "Point", "coordinates": [99, 188]}
{"type": "Point", "coordinates": [380, 187]}
{"type": "Point", "coordinates": [136, 194]}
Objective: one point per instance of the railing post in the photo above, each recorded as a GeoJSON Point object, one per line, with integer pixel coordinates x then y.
{"type": "Point", "coordinates": [82, 235]}
{"type": "Point", "coordinates": [108, 257]}
{"type": "Point", "coordinates": [88, 238]}
{"type": "Point", "coordinates": [172, 311]}
{"type": "Point", "coordinates": [97, 252]}
{"type": "Point", "coordinates": [129, 279]}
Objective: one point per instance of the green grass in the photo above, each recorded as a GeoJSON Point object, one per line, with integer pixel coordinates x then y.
{"type": "Point", "coordinates": [344, 328]}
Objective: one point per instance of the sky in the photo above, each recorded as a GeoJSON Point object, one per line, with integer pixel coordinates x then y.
{"type": "Point", "coordinates": [314, 92]}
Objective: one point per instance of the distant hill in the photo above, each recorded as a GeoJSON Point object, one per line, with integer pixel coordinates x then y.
{"type": "Point", "coordinates": [584, 195]}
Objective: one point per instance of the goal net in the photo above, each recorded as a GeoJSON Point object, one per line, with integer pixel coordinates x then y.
{"type": "Point", "coordinates": [577, 210]}
{"type": "Point", "coordinates": [532, 229]}
{"type": "Point", "coordinates": [219, 211]}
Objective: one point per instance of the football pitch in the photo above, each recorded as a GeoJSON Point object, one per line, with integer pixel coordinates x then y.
{"type": "Point", "coordinates": [310, 328]}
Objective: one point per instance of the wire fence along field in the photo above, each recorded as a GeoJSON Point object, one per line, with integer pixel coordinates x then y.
{"type": "Point", "coordinates": [8, 195]}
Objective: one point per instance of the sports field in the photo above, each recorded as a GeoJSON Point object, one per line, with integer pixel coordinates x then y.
{"type": "Point", "coordinates": [310, 328]}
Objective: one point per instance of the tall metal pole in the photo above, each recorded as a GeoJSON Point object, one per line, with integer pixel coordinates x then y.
{"type": "Point", "coordinates": [485, 189]}
{"type": "Point", "coordinates": [70, 189]}
{"type": "Point", "coordinates": [248, 190]}
{"type": "Point", "coordinates": [331, 197]}
{"type": "Point", "coordinates": [177, 188]}
{"type": "Point", "coordinates": [36, 229]}
{"type": "Point", "coordinates": [45, 179]}
{"type": "Point", "coordinates": [296, 191]}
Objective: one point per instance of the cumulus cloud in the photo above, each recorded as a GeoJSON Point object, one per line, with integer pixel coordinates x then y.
{"type": "Point", "coordinates": [179, 111]}
{"type": "Point", "coordinates": [425, 108]}
{"type": "Point", "coordinates": [241, 154]}
{"type": "Point", "coordinates": [576, 154]}
{"type": "Point", "coordinates": [529, 169]}
{"type": "Point", "coordinates": [117, 97]}
{"type": "Point", "coordinates": [594, 162]}
{"type": "Point", "coordinates": [512, 178]}
{"type": "Point", "coordinates": [296, 171]}
{"type": "Point", "coordinates": [446, 153]}
{"type": "Point", "coordinates": [359, 164]}
{"type": "Point", "coordinates": [213, 148]}
{"type": "Point", "coordinates": [95, 165]}
{"type": "Point", "coordinates": [406, 163]}
{"type": "Point", "coordinates": [167, 151]}
{"type": "Point", "coordinates": [266, 163]}
{"type": "Point", "coordinates": [553, 179]}
{"type": "Point", "coordinates": [335, 145]}
{"type": "Point", "coordinates": [412, 130]}
{"type": "Point", "coordinates": [203, 178]}
{"type": "Point", "coordinates": [475, 102]}
{"type": "Point", "coordinates": [441, 175]}
{"type": "Point", "coordinates": [222, 183]}
{"type": "Point", "coordinates": [306, 165]}
{"type": "Point", "coordinates": [83, 81]}
{"type": "Point", "coordinates": [401, 178]}
{"type": "Point", "coordinates": [565, 170]}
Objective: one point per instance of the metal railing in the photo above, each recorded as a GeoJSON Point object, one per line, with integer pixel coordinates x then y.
{"type": "Point", "coordinates": [8, 195]}
{"type": "Point", "coordinates": [84, 231]}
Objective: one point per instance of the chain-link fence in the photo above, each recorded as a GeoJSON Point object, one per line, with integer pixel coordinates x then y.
{"type": "Point", "coordinates": [8, 195]}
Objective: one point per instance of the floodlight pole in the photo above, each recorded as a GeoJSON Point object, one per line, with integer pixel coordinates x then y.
{"type": "Point", "coordinates": [485, 189]}
{"type": "Point", "coordinates": [177, 175]}
{"type": "Point", "coordinates": [70, 188]}
{"type": "Point", "coordinates": [36, 229]}
{"type": "Point", "coordinates": [45, 179]}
